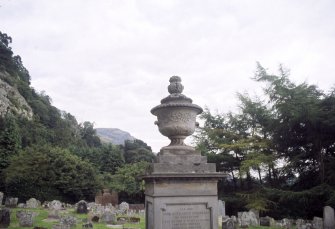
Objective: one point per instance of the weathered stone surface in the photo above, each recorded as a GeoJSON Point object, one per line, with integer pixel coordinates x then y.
{"type": "Point", "coordinates": [108, 216]}
{"type": "Point", "coordinates": [33, 203]}
{"type": "Point", "coordinates": [98, 197]}
{"type": "Point", "coordinates": [227, 223]}
{"type": "Point", "coordinates": [1, 198]}
{"type": "Point", "coordinates": [247, 219]}
{"type": "Point", "coordinates": [26, 218]}
{"type": "Point", "coordinates": [82, 207]}
{"type": "Point", "coordinates": [4, 218]}
{"type": "Point", "coordinates": [287, 223]}
{"type": "Point", "coordinates": [55, 205]}
{"type": "Point", "coordinates": [317, 223]}
{"type": "Point", "coordinates": [328, 218]}
{"type": "Point", "coordinates": [11, 100]}
{"type": "Point", "coordinates": [221, 208]}
{"type": "Point", "coordinates": [68, 220]}
{"type": "Point", "coordinates": [181, 188]}
{"type": "Point", "coordinates": [106, 197]}
{"type": "Point", "coordinates": [11, 202]}
{"type": "Point", "coordinates": [264, 221]}
{"type": "Point", "coordinates": [53, 214]}
{"type": "Point", "coordinates": [124, 207]}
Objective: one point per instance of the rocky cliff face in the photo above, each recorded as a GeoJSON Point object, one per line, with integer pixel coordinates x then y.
{"type": "Point", "coordinates": [12, 101]}
{"type": "Point", "coordinates": [113, 135]}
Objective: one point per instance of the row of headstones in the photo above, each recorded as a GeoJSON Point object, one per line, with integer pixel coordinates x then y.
{"type": "Point", "coordinates": [251, 218]}
{"type": "Point", "coordinates": [98, 213]}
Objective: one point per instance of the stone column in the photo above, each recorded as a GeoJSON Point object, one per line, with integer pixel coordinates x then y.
{"type": "Point", "coordinates": [181, 188]}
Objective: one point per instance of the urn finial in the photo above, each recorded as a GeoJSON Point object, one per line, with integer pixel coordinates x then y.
{"type": "Point", "coordinates": [175, 86]}
{"type": "Point", "coordinates": [176, 115]}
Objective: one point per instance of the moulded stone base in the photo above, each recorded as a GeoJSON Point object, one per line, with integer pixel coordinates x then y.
{"type": "Point", "coordinates": [182, 202]}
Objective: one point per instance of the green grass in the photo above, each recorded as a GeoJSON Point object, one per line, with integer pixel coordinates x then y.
{"type": "Point", "coordinates": [43, 214]}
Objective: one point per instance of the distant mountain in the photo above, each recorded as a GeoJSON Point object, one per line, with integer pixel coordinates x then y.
{"type": "Point", "coordinates": [113, 135]}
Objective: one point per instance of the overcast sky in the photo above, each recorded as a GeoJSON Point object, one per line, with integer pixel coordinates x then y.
{"type": "Point", "coordinates": [109, 61]}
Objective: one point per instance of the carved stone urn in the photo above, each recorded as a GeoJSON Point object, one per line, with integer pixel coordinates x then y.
{"type": "Point", "coordinates": [176, 116]}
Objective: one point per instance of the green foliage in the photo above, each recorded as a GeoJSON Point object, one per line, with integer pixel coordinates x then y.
{"type": "Point", "coordinates": [48, 173]}
{"type": "Point", "coordinates": [137, 150]}
{"type": "Point", "coordinates": [10, 141]}
{"type": "Point", "coordinates": [126, 178]}
{"type": "Point", "coordinates": [284, 142]}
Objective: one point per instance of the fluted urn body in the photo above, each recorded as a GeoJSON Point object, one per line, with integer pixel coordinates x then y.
{"type": "Point", "coordinates": [176, 115]}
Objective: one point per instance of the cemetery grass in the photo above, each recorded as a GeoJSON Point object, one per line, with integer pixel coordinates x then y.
{"type": "Point", "coordinates": [43, 214]}
{"type": "Point", "coordinates": [40, 220]}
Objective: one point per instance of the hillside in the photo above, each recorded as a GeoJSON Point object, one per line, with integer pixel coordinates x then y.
{"type": "Point", "coordinates": [113, 135]}
{"type": "Point", "coordinates": [68, 159]}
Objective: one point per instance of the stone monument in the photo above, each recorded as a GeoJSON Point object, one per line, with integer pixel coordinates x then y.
{"type": "Point", "coordinates": [181, 187]}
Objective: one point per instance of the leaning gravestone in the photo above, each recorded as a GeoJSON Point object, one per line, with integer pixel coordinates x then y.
{"type": "Point", "coordinates": [328, 218]}
{"type": "Point", "coordinates": [26, 218]}
{"type": "Point", "coordinates": [1, 198]}
{"type": "Point", "coordinates": [4, 218]}
{"type": "Point", "coordinates": [11, 202]}
{"type": "Point", "coordinates": [82, 207]}
{"type": "Point", "coordinates": [33, 203]}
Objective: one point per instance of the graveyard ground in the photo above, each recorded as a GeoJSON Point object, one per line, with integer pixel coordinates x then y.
{"type": "Point", "coordinates": [40, 221]}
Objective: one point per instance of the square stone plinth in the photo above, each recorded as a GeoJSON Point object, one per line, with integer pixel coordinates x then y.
{"type": "Point", "coordinates": [181, 203]}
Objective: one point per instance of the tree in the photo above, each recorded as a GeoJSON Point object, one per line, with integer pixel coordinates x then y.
{"type": "Point", "coordinates": [10, 140]}
{"type": "Point", "coordinates": [137, 150]}
{"type": "Point", "coordinates": [50, 173]}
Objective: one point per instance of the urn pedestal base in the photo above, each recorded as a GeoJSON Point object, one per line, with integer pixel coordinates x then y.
{"type": "Point", "coordinates": [181, 193]}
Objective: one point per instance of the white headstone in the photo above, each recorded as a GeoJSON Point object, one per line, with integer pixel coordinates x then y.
{"type": "Point", "coordinates": [328, 218]}
{"type": "Point", "coordinates": [221, 208]}
{"type": "Point", "coordinates": [33, 203]}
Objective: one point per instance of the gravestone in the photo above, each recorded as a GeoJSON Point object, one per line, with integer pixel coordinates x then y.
{"type": "Point", "coordinates": [108, 216]}
{"type": "Point", "coordinates": [221, 208]}
{"type": "Point", "coordinates": [4, 218]}
{"type": "Point", "coordinates": [82, 207]}
{"type": "Point", "coordinates": [98, 197]}
{"type": "Point", "coordinates": [106, 197]}
{"type": "Point", "coordinates": [55, 204]}
{"type": "Point", "coordinates": [33, 203]}
{"type": "Point", "coordinates": [68, 220]}
{"type": "Point", "coordinates": [54, 209]}
{"type": "Point", "coordinates": [227, 223]}
{"type": "Point", "coordinates": [264, 221]}
{"type": "Point", "coordinates": [328, 218]}
{"type": "Point", "coordinates": [11, 202]}
{"type": "Point", "coordinates": [181, 188]}
{"type": "Point", "coordinates": [317, 223]}
{"type": "Point", "coordinates": [26, 218]}
{"type": "Point", "coordinates": [247, 219]}
{"type": "Point", "coordinates": [114, 198]}
{"type": "Point", "coordinates": [1, 198]}
{"type": "Point", "coordinates": [124, 207]}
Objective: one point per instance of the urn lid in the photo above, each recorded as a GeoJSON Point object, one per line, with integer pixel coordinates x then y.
{"type": "Point", "coordinates": [176, 98]}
